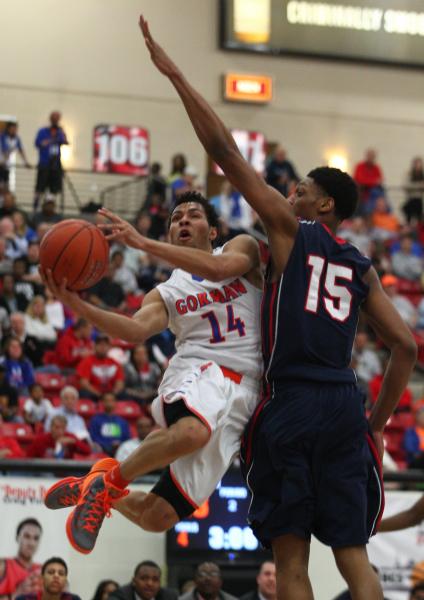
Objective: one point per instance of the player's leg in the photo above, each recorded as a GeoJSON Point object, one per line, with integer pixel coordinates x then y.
{"type": "Point", "coordinates": [164, 446]}
{"type": "Point", "coordinates": [148, 511]}
{"type": "Point", "coordinates": [291, 555]}
{"type": "Point", "coordinates": [359, 575]}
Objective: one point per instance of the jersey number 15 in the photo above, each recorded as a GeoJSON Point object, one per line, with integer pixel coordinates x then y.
{"type": "Point", "coordinates": [339, 299]}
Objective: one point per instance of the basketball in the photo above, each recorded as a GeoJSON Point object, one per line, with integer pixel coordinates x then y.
{"type": "Point", "coordinates": [76, 250]}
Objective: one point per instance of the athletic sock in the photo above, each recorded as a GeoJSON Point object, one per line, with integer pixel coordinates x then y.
{"type": "Point", "coordinates": [114, 476]}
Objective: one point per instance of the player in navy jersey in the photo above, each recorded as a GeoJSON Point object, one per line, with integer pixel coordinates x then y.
{"type": "Point", "coordinates": [313, 461]}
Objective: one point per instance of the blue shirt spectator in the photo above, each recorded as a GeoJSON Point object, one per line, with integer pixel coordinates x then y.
{"type": "Point", "coordinates": [107, 429]}
{"type": "Point", "coordinates": [19, 370]}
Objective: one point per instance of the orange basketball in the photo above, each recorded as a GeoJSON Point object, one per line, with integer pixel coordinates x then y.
{"type": "Point", "coordinates": [76, 250]}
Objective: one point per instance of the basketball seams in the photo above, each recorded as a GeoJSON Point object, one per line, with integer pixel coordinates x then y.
{"type": "Point", "coordinates": [85, 226]}
{"type": "Point", "coordinates": [90, 229]}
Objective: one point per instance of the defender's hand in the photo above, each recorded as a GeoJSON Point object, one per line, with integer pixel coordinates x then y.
{"type": "Point", "coordinates": [158, 55]}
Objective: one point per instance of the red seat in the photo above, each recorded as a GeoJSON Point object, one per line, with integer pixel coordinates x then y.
{"type": "Point", "coordinates": [51, 383]}
{"type": "Point", "coordinates": [401, 421]}
{"type": "Point", "coordinates": [129, 409]}
{"type": "Point", "coordinates": [86, 408]}
{"type": "Point", "coordinates": [21, 431]}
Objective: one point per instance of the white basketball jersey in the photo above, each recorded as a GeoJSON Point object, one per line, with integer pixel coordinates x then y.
{"type": "Point", "coordinates": [215, 321]}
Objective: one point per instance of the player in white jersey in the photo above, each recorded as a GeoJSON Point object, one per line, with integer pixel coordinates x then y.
{"type": "Point", "coordinates": [209, 390]}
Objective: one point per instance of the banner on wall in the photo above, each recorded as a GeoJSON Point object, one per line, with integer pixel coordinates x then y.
{"type": "Point", "coordinates": [399, 556]}
{"type": "Point", "coordinates": [121, 149]}
{"type": "Point", "coordinates": [252, 146]}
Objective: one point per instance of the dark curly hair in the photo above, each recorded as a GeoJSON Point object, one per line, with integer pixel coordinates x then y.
{"type": "Point", "coordinates": [340, 186]}
{"type": "Point", "coordinates": [211, 214]}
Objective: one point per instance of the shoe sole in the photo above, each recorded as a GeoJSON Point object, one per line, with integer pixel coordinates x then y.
{"type": "Point", "coordinates": [54, 487]}
{"type": "Point", "coordinates": [71, 538]}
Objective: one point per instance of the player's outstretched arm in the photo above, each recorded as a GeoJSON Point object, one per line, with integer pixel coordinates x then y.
{"type": "Point", "coordinates": [407, 518]}
{"type": "Point", "coordinates": [240, 255]}
{"type": "Point", "coordinates": [152, 318]}
{"type": "Point", "coordinates": [220, 145]}
{"type": "Point", "coordinates": [391, 329]}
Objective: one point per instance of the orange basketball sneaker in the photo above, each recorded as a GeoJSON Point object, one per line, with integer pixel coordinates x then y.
{"type": "Point", "coordinates": [67, 491]}
{"type": "Point", "coordinates": [84, 522]}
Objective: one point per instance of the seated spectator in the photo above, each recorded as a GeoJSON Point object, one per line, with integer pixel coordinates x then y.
{"type": "Point", "coordinates": [10, 448]}
{"type": "Point", "coordinates": [75, 424]}
{"type": "Point", "coordinates": [106, 293]}
{"type": "Point", "coordinates": [58, 443]}
{"type": "Point", "coordinates": [122, 275]}
{"type": "Point", "coordinates": [369, 176]}
{"type": "Point", "coordinates": [104, 589]}
{"type": "Point", "coordinates": [5, 262]}
{"type": "Point", "coordinates": [33, 262]}
{"type": "Point", "coordinates": [208, 584]}
{"type": "Point", "coordinates": [413, 207]}
{"type": "Point", "coordinates": [48, 213]}
{"type": "Point", "coordinates": [267, 584]}
{"type": "Point", "coordinates": [406, 399]}
{"type": "Point", "coordinates": [145, 585]}
{"type": "Point", "coordinates": [41, 335]}
{"type": "Point", "coordinates": [19, 371]}
{"type": "Point", "coordinates": [55, 312]}
{"type": "Point", "coordinates": [413, 442]}
{"type": "Point", "coordinates": [37, 408]}
{"type": "Point", "coordinates": [108, 429]}
{"type": "Point", "coordinates": [358, 235]}
{"type": "Point", "coordinates": [54, 581]}
{"type": "Point", "coordinates": [23, 286]}
{"type": "Point", "coordinates": [8, 399]}
{"type": "Point", "coordinates": [16, 246]}
{"type": "Point", "coordinates": [17, 326]}
{"type": "Point", "coordinates": [98, 373]}
{"type": "Point", "coordinates": [10, 298]}
{"type": "Point", "coordinates": [365, 360]}
{"type": "Point", "coordinates": [4, 323]}
{"type": "Point", "coordinates": [280, 172]}
{"type": "Point", "coordinates": [405, 263]}
{"type": "Point", "coordinates": [406, 309]}
{"type": "Point", "coordinates": [144, 426]}
{"type": "Point", "coordinates": [22, 229]}
{"type": "Point", "coordinates": [385, 224]}
{"type": "Point", "coordinates": [142, 376]}
{"type": "Point", "coordinates": [75, 344]}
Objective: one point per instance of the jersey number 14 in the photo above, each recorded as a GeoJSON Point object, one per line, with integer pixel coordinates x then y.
{"type": "Point", "coordinates": [233, 324]}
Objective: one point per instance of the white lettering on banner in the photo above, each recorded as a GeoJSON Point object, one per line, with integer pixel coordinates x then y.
{"type": "Point", "coordinates": [322, 14]}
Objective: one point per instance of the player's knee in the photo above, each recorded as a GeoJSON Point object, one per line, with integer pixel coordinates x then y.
{"type": "Point", "coordinates": [192, 436]}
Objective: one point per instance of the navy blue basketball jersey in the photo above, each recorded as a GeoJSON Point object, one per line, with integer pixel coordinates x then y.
{"type": "Point", "coordinates": [310, 315]}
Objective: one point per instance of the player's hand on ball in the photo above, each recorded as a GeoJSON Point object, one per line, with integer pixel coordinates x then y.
{"type": "Point", "coordinates": [119, 230]}
{"type": "Point", "coordinates": [158, 55]}
{"type": "Point", "coordinates": [61, 292]}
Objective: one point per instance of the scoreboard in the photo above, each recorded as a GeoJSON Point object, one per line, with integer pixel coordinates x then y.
{"type": "Point", "coordinates": [218, 529]}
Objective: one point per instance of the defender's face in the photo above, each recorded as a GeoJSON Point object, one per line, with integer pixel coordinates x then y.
{"type": "Point", "coordinates": [189, 226]}
{"type": "Point", "coordinates": [305, 199]}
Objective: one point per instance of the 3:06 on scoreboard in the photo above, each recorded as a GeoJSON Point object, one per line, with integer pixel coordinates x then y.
{"type": "Point", "coordinates": [121, 149]}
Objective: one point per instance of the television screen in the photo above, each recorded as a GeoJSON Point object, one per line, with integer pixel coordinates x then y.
{"type": "Point", "coordinates": [381, 31]}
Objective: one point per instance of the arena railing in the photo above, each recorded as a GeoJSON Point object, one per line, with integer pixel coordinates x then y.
{"type": "Point", "coordinates": [121, 193]}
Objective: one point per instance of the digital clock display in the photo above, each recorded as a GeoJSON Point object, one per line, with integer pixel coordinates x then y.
{"type": "Point", "coordinates": [219, 525]}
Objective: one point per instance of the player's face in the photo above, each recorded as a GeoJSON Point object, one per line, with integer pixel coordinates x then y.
{"type": "Point", "coordinates": [147, 582]}
{"type": "Point", "coordinates": [306, 199]}
{"type": "Point", "coordinates": [266, 580]}
{"type": "Point", "coordinates": [54, 579]}
{"type": "Point", "coordinates": [189, 226]}
{"type": "Point", "coordinates": [28, 541]}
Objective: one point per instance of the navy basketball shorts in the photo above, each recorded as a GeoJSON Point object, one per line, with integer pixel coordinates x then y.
{"type": "Point", "coordinates": [314, 468]}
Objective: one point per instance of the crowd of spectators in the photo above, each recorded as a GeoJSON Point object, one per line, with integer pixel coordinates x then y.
{"type": "Point", "coordinates": [88, 394]}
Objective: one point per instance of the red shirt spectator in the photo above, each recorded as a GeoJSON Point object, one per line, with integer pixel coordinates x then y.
{"type": "Point", "coordinates": [368, 174]}
{"type": "Point", "coordinates": [74, 345]}
{"type": "Point", "coordinates": [59, 443]}
{"type": "Point", "coordinates": [10, 448]}
{"type": "Point", "coordinates": [99, 373]}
